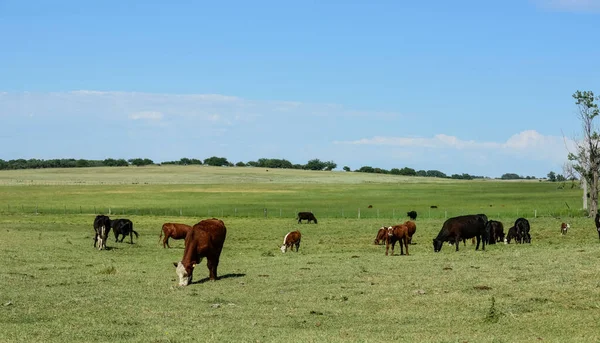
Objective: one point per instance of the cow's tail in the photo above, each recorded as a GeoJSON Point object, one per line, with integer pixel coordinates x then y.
{"type": "Point", "coordinates": [136, 234]}
{"type": "Point", "coordinates": [160, 236]}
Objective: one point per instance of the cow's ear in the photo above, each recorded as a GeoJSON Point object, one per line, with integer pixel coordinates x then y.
{"type": "Point", "coordinates": [175, 264]}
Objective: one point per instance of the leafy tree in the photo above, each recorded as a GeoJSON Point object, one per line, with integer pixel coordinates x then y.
{"type": "Point", "coordinates": [510, 176]}
{"type": "Point", "coordinates": [408, 171]}
{"type": "Point", "coordinates": [330, 165]}
{"type": "Point", "coordinates": [240, 164]}
{"type": "Point", "coordinates": [560, 178]}
{"type": "Point", "coordinates": [346, 168]}
{"type": "Point", "coordinates": [315, 164]}
{"type": "Point", "coordinates": [395, 171]}
{"type": "Point", "coordinates": [366, 169]}
{"type": "Point", "coordinates": [252, 163]}
{"type": "Point", "coordinates": [552, 176]}
{"type": "Point", "coordinates": [436, 173]}
{"type": "Point", "coordinates": [216, 161]}
{"type": "Point", "coordinates": [421, 173]}
{"type": "Point", "coordinates": [586, 158]}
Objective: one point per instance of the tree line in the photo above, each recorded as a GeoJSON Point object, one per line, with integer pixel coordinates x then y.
{"type": "Point", "coordinates": [314, 164]}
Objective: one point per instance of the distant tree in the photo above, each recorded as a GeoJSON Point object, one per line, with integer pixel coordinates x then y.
{"type": "Point", "coordinates": [560, 178]}
{"type": "Point", "coordinates": [408, 171]}
{"type": "Point", "coordinates": [330, 165]}
{"type": "Point", "coordinates": [510, 176]}
{"type": "Point", "coordinates": [436, 173]}
{"type": "Point", "coordinates": [346, 168]}
{"type": "Point", "coordinates": [216, 161]}
{"type": "Point", "coordinates": [395, 171]}
{"type": "Point", "coordinates": [83, 163]}
{"type": "Point", "coordinates": [252, 163]}
{"type": "Point", "coordinates": [365, 169]}
{"type": "Point", "coordinates": [315, 164]}
{"type": "Point", "coordinates": [140, 161]}
{"type": "Point", "coordinates": [240, 164]}
{"type": "Point", "coordinates": [551, 176]}
{"type": "Point", "coordinates": [421, 173]}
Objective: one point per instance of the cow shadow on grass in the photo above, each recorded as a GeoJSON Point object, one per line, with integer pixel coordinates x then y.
{"type": "Point", "coordinates": [226, 276]}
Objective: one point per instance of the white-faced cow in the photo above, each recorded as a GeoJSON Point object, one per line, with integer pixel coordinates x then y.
{"type": "Point", "coordinates": [564, 227]}
{"type": "Point", "coordinates": [308, 216]}
{"type": "Point", "coordinates": [290, 240]}
{"type": "Point", "coordinates": [123, 227]}
{"type": "Point", "coordinates": [173, 230]}
{"type": "Point", "coordinates": [205, 239]}
{"type": "Point", "coordinates": [101, 228]}
{"type": "Point", "coordinates": [397, 233]}
{"type": "Point", "coordinates": [461, 227]}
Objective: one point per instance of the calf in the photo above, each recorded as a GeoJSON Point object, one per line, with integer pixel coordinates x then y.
{"type": "Point", "coordinates": [512, 234]}
{"type": "Point", "coordinates": [102, 228]}
{"type": "Point", "coordinates": [523, 227]}
{"type": "Point", "coordinates": [204, 239]}
{"type": "Point", "coordinates": [173, 230]}
{"type": "Point", "coordinates": [412, 228]}
{"type": "Point", "coordinates": [381, 236]}
{"type": "Point", "coordinates": [457, 228]}
{"type": "Point", "coordinates": [564, 227]}
{"type": "Point", "coordinates": [397, 233]}
{"type": "Point", "coordinates": [308, 216]}
{"type": "Point", "coordinates": [494, 231]}
{"type": "Point", "coordinates": [291, 239]}
{"type": "Point", "coordinates": [123, 227]}
{"type": "Point", "coordinates": [412, 215]}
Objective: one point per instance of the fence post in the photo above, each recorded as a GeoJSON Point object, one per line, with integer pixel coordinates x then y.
{"type": "Point", "coordinates": [359, 213]}
{"type": "Point", "coordinates": [535, 214]}
{"type": "Point", "coordinates": [180, 212]}
{"type": "Point", "coordinates": [235, 212]}
{"type": "Point", "coordinates": [445, 215]}
{"type": "Point", "coordinates": [265, 212]}
{"type": "Point", "coordinates": [393, 213]}
{"type": "Point", "coordinates": [342, 213]}
{"type": "Point", "coordinates": [109, 211]}
{"type": "Point", "coordinates": [64, 212]}
{"type": "Point", "coordinates": [36, 208]}
{"type": "Point", "coordinates": [377, 213]}
{"type": "Point", "coordinates": [279, 212]}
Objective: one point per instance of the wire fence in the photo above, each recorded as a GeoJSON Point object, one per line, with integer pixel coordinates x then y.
{"type": "Point", "coordinates": [280, 212]}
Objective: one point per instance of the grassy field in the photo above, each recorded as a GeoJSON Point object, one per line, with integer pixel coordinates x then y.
{"type": "Point", "coordinates": [55, 287]}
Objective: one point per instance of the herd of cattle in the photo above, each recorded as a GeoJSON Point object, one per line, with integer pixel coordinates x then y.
{"type": "Point", "coordinates": [206, 238]}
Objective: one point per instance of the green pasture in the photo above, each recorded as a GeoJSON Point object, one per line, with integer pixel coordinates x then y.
{"type": "Point", "coordinates": [201, 191]}
{"type": "Point", "coordinates": [340, 287]}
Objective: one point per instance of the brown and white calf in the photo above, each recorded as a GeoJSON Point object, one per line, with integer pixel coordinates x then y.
{"type": "Point", "coordinates": [564, 227]}
{"type": "Point", "coordinates": [381, 236]}
{"type": "Point", "coordinates": [292, 238]}
{"type": "Point", "coordinates": [397, 233]}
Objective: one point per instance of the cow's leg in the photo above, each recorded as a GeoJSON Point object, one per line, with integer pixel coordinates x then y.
{"type": "Point", "coordinates": [478, 240]}
{"type": "Point", "coordinates": [131, 237]}
{"type": "Point", "coordinates": [401, 248]}
{"type": "Point", "coordinates": [212, 264]}
{"type": "Point", "coordinates": [406, 245]}
{"type": "Point", "coordinates": [393, 245]}
{"type": "Point", "coordinates": [457, 242]}
{"type": "Point", "coordinates": [387, 246]}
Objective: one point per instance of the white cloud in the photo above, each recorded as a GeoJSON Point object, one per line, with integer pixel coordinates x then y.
{"type": "Point", "coordinates": [148, 115]}
{"type": "Point", "coordinates": [529, 143]}
{"type": "Point", "coordinates": [570, 5]}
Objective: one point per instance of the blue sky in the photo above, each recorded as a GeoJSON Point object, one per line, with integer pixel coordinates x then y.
{"type": "Point", "coordinates": [479, 87]}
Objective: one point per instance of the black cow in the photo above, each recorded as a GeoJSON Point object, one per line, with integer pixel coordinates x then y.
{"type": "Point", "coordinates": [102, 228]}
{"type": "Point", "coordinates": [412, 215]}
{"type": "Point", "coordinates": [457, 228]}
{"type": "Point", "coordinates": [523, 227]}
{"type": "Point", "coordinates": [512, 234]}
{"type": "Point", "coordinates": [597, 221]}
{"type": "Point", "coordinates": [494, 231]}
{"type": "Point", "coordinates": [123, 227]}
{"type": "Point", "coordinates": [308, 216]}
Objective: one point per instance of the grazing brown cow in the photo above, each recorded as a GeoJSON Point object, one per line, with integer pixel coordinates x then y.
{"type": "Point", "coordinates": [412, 228]}
{"type": "Point", "coordinates": [205, 239]}
{"type": "Point", "coordinates": [381, 236]}
{"type": "Point", "coordinates": [397, 233]}
{"type": "Point", "coordinates": [564, 227]}
{"type": "Point", "coordinates": [291, 239]}
{"type": "Point", "coordinates": [173, 230]}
